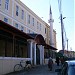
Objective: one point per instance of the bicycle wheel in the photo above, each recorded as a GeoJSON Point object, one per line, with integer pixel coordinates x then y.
{"type": "Point", "coordinates": [18, 67]}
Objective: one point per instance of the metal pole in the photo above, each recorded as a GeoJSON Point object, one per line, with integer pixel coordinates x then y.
{"type": "Point", "coordinates": [67, 44]}
{"type": "Point", "coordinates": [67, 47]}
{"type": "Point", "coordinates": [62, 33]}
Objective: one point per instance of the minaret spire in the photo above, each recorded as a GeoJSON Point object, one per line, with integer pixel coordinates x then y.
{"type": "Point", "coordinates": [50, 10]}
{"type": "Point", "coordinates": [51, 28]}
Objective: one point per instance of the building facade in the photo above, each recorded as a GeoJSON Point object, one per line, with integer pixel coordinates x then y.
{"type": "Point", "coordinates": [19, 16]}
{"type": "Point", "coordinates": [68, 53]}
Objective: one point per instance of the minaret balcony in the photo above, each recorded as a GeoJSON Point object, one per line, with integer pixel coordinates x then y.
{"type": "Point", "coordinates": [51, 20]}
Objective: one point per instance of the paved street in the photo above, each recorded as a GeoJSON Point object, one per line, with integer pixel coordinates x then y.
{"type": "Point", "coordinates": [38, 70]}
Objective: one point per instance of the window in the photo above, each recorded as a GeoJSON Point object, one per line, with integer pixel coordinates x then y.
{"type": "Point", "coordinates": [22, 28]}
{"type": "Point", "coordinates": [33, 21]}
{"type": "Point", "coordinates": [71, 70]}
{"type": "Point", "coordinates": [45, 30]}
{"type": "Point", "coordinates": [46, 55]}
{"type": "Point", "coordinates": [20, 49]}
{"type": "Point", "coordinates": [6, 4]}
{"type": "Point", "coordinates": [6, 20]}
{"type": "Point", "coordinates": [22, 14]}
{"type": "Point", "coordinates": [17, 10]}
{"type": "Point", "coordinates": [40, 26]}
{"type": "Point", "coordinates": [28, 19]}
{"type": "Point", "coordinates": [0, 2]}
{"type": "Point", "coordinates": [37, 25]}
{"type": "Point", "coordinates": [16, 25]}
{"type": "Point", "coordinates": [28, 31]}
{"type": "Point", "coordinates": [6, 44]}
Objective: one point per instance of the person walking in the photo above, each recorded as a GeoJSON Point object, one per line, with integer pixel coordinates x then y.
{"type": "Point", "coordinates": [62, 60]}
{"type": "Point", "coordinates": [57, 61]}
{"type": "Point", "coordinates": [50, 63]}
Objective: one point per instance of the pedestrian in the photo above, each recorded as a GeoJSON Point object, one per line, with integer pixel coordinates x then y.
{"type": "Point", "coordinates": [62, 60]}
{"type": "Point", "coordinates": [50, 63]}
{"type": "Point", "coordinates": [57, 61]}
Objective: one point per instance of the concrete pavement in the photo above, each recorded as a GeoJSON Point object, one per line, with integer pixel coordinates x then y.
{"type": "Point", "coordinates": [38, 70]}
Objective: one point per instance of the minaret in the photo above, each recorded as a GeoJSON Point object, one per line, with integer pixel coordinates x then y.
{"type": "Point", "coordinates": [51, 20]}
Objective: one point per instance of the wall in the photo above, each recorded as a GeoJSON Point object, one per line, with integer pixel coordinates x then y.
{"type": "Point", "coordinates": [7, 64]}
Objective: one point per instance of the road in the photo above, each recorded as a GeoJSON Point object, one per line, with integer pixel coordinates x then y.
{"type": "Point", "coordinates": [38, 70]}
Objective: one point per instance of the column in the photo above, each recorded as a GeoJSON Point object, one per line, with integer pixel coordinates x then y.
{"type": "Point", "coordinates": [13, 46]}
{"type": "Point", "coordinates": [30, 49]}
{"type": "Point", "coordinates": [34, 53]}
{"type": "Point", "coordinates": [42, 54]}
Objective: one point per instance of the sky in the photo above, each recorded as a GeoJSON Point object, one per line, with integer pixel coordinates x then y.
{"type": "Point", "coordinates": [41, 8]}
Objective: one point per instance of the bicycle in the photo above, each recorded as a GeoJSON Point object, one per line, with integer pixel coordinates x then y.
{"type": "Point", "coordinates": [19, 67]}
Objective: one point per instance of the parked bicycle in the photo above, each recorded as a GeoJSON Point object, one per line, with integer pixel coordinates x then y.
{"type": "Point", "coordinates": [19, 67]}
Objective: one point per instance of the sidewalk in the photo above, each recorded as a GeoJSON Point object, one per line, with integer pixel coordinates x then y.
{"type": "Point", "coordinates": [38, 70]}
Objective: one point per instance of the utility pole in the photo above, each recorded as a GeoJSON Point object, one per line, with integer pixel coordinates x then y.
{"type": "Point", "coordinates": [62, 32]}
{"type": "Point", "coordinates": [62, 26]}
{"type": "Point", "coordinates": [67, 44]}
{"type": "Point", "coordinates": [67, 47]}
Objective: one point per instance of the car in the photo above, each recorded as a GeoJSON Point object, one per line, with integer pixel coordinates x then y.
{"type": "Point", "coordinates": [68, 68]}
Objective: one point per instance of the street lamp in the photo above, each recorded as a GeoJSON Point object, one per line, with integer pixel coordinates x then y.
{"type": "Point", "coordinates": [64, 17]}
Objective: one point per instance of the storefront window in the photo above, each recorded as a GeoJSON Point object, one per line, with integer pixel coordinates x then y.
{"type": "Point", "coordinates": [5, 44]}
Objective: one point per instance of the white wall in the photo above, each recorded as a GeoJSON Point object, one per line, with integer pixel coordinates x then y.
{"type": "Point", "coordinates": [7, 64]}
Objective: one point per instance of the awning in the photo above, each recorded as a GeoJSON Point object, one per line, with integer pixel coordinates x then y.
{"type": "Point", "coordinates": [37, 37]}
{"type": "Point", "coordinates": [50, 47]}
{"type": "Point", "coordinates": [8, 28]}
{"type": "Point", "coordinates": [40, 40]}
